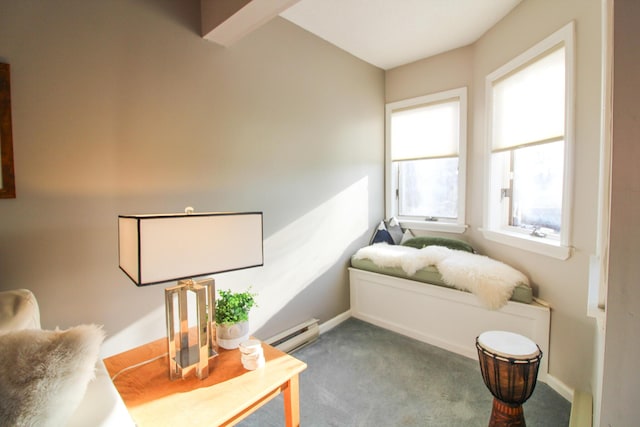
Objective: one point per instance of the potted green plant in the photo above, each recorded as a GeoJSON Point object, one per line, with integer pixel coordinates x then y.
{"type": "Point", "coordinates": [232, 317]}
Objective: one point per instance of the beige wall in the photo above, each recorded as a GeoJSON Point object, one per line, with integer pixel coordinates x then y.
{"type": "Point", "coordinates": [121, 107]}
{"type": "Point", "coordinates": [561, 283]}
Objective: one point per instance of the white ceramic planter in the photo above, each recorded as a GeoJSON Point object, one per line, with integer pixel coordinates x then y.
{"type": "Point", "coordinates": [229, 336]}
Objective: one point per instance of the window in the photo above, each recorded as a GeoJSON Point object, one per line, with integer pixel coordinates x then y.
{"type": "Point", "coordinates": [529, 151]}
{"type": "Point", "coordinates": [425, 162]}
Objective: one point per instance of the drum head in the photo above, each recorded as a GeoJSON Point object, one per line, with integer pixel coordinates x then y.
{"type": "Point", "coordinates": [508, 344]}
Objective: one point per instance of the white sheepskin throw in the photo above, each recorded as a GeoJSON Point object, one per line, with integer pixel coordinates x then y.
{"type": "Point", "coordinates": [490, 280]}
{"type": "Point", "coordinates": [44, 374]}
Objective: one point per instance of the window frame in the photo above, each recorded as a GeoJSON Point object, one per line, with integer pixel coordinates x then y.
{"type": "Point", "coordinates": [493, 229]}
{"type": "Point", "coordinates": [458, 224]}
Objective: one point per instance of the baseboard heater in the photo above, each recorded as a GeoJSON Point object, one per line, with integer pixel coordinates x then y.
{"type": "Point", "coordinates": [296, 337]}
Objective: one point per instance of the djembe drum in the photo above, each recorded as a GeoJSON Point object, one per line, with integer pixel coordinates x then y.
{"type": "Point", "coordinates": [509, 364]}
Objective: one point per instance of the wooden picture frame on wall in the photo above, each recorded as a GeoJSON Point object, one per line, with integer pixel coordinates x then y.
{"type": "Point", "coordinates": [7, 178]}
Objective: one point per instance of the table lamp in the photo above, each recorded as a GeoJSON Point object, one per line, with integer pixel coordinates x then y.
{"type": "Point", "coordinates": [160, 248]}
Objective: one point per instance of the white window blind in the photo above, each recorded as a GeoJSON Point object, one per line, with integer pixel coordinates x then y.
{"type": "Point", "coordinates": [426, 132]}
{"type": "Point", "coordinates": [529, 104]}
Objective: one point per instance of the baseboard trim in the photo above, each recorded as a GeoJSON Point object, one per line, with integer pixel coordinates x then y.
{"type": "Point", "coordinates": [562, 389]}
{"type": "Point", "coordinates": [333, 322]}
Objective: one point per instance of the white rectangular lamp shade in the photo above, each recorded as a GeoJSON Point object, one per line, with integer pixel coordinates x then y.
{"type": "Point", "coordinates": [161, 248]}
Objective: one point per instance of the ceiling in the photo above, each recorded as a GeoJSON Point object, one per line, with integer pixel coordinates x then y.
{"type": "Point", "coordinates": [389, 33]}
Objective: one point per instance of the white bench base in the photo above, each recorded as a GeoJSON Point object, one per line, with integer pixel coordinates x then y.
{"type": "Point", "coordinates": [447, 318]}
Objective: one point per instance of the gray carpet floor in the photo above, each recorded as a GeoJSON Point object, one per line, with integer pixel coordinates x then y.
{"type": "Point", "coordinates": [361, 375]}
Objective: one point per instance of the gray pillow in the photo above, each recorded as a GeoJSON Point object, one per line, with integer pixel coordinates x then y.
{"type": "Point", "coordinates": [381, 235]}
{"type": "Point", "coordinates": [394, 229]}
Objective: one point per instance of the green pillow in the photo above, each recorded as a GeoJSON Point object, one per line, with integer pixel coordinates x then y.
{"type": "Point", "coordinates": [423, 241]}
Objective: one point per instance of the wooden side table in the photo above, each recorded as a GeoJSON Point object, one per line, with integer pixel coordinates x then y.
{"type": "Point", "coordinates": [227, 396]}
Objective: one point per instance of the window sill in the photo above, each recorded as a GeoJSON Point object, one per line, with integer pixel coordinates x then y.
{"type": "Point", "coordinates": [529, 243]}
{"type": "Point", "coordinates": [444, 227]}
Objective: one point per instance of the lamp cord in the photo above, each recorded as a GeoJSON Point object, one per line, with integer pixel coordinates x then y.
{"type": "Point", "coordinates": [128, 368]}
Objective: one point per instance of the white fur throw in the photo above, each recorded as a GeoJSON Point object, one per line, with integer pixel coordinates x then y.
{"type": "Point", "coordinates": [490, 280]}
{"type": "Point", "coordinates": [44, 374]}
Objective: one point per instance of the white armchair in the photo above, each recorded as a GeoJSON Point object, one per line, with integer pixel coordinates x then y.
{"type": "Point", "coordinates": [101, 404]}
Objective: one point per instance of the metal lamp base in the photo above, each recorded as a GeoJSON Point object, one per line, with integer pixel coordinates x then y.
{"type": "Point", "coordinates": [186, 356]}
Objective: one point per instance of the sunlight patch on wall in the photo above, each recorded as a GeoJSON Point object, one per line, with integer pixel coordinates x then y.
{"type": "Point", "coordinates": [302, 251]}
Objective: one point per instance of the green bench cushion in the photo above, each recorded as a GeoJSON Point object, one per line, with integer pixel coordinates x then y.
{"type": "Point", "coordinates": [521, 293]}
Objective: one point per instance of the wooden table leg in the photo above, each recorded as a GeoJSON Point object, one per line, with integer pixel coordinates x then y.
{"type": "Point", "coordinates": [292, 402]}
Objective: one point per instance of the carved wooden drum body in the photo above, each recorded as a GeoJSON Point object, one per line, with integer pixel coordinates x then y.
{"type": "Point", "coordinates": [509, 364]}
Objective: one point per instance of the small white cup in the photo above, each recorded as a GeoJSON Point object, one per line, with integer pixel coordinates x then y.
{"type": "Point", "coordinates": [253, 365]}
{"type": "Point", "coordinates": [250, 347]}
{"type": "Point", "coordinates": [252, 354]}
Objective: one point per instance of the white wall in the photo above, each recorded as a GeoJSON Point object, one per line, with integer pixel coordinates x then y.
{"type": "Point", "coordinates": [563, 284]}
{"type": "Point", "coordinates": [622, 339]}
{"type": "Point", "coordinates": [120, 106]}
